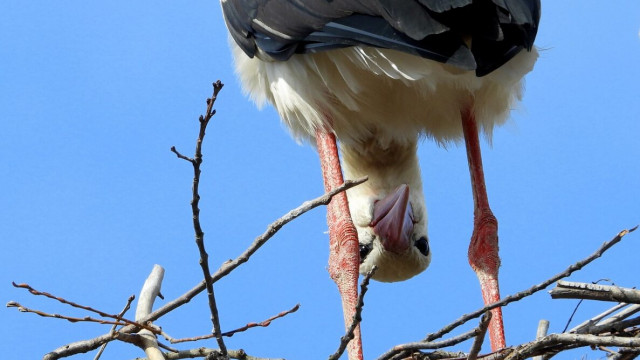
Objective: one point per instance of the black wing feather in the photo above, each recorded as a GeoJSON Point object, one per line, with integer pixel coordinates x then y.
{"type": "Point", "coordinates": [440, 30]}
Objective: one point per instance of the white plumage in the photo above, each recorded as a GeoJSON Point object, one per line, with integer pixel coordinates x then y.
{"type": "Point", "coordinates": [379, 102]}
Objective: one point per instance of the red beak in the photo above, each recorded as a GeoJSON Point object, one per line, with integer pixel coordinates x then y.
{"type": "Point", "coordinates": [393, 220]}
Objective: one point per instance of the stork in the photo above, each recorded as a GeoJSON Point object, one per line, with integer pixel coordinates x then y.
{"type": "Point", "coordinates": [377, 75]}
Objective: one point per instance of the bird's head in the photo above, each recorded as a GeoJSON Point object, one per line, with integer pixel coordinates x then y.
{"type": "Point", "coordinates": [393, 234]}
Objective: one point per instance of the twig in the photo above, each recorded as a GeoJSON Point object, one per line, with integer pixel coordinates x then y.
{"type": "Point", "coordinates": [479, 339]}
{"type": "Point", "coordinates": [596, 318]}
{"type": "Point", "coordinates": [204, 352]}
{"type": "Point", "coordinates": [575, 290]}
{"type": "Point", "coordinates": [119, 320]}
{"type": "Point", "coordinates": [357, 316]}
{"type": "Point", "coordinates": [404, 350]}
{"type": "Point", "coordinates": [274, 227]}
{"type": "Point", "coordinates": [68, 318]}
{"type": "Point", "coordinates": [575, 309]}
{"type": "Point", "coordinates": [517, 296]}
{"type": "Point", "coordinates": [91, 344]}
{"type": "Point", "coordinates": [199, 234]}
{"type": "Point", "coordinates": [538, 346]}
{"type": "Point", "coordinates": [611, 327]}
{"type": "Point", "coordinates": [621, 315]}
{"type": "Point", "coordinates": [264, 323]}
{"type": "Point", "coordinates": [113, 328]}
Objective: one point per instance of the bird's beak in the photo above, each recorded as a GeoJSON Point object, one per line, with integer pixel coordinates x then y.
{"type": "Point", "coordinates": [393, 220]}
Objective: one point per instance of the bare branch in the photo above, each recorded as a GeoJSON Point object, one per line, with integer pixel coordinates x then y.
{"type": "Point", "coordinates": [113, 328]}
{"type": "Point", "coordinates": [196, 161]}
{"type": "Point", "coordinates": [596, 318]}
{"type": "Point", "coordinates": [626, 353]}
{"type": "Point", "coordinates": [618, 326]}
{"type": "Point", "coordinates": [357, 316]}
{"type": "Point", "coordinates": [264, 323]}
{"type": "Point", "coordinates": [150, 290]}
{"type": "Point", "coordinates": [633, 309]}
{"type": "Point", "coordinates": [543, 328]}
{"type": "Point", "coordinates": [68, 318]}
{"type": "Point", "coordinates": [204, 352]}
{"type": "Point", "coordinates": [273, 228]}
{"type": "Point", "coordinates": [119, 319]}
{"type": "Point", "coordinates": [405, 350]}
{"type": "Point", "coordinates": [482, 331]}
{"type": "Point", "coordinates": [83, 346]}
{"type": "Point", "coordinates": [401, 349]}
{"type": "Point", "coordinates": [576, 290]}
{"type": "Point", "coordinates": [538, 347]}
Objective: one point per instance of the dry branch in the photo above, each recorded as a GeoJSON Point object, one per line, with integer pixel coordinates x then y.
{"type": "Point", "coordinates": [479, 339]}
{"type": "Point", "coordinates": [543, 328]}
{"type": "Point", "coordinates": [404, 350]}
{"type": "Point", "coordinates": [264, 323]}
{"type": "Point", "coordinates": [195, 209]}
{"type": "Point", "coordinates": [72, 319]}
{"type": "Point", "coordinates": [150, 290]}
{"type": "Point", "coordinates": [113, 328]}
{"type": "Point", "coordinates": [205, 352]}
{"type": "Point", "coordinates": [576, 290]}
{"type": "Point", "coordinates": [84, 346]}
{"type": "Point", "coordinates": [597, 318]}
{"type": "Point", "coordinates": [119, 320]}
{"type": "Point", "coordinates": [357, 316]}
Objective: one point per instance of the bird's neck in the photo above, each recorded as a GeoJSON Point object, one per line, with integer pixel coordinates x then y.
{"type": "Point", "coordinates": [387, 167]}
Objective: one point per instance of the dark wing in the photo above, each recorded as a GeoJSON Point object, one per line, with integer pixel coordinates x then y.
{"type": "Point", "coordinates": [478, 35]}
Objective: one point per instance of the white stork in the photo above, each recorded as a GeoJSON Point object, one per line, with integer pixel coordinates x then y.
{"type": "Point", "coordinates": [378, 75]}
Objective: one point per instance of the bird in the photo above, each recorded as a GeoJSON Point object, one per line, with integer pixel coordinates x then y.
{"type": "Point", "coordinates": [366, 81]}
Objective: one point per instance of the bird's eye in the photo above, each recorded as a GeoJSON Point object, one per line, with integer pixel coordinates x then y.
{"type": "Point", "coordinates": [422, 244]}
{"type": "Point", "coordinates": [365, 249]}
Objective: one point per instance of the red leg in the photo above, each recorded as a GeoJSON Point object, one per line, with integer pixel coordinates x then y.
{"type": "Point", "coordinates": [483, 249]}
{"type": "Point", "coordinates": [344, 258]}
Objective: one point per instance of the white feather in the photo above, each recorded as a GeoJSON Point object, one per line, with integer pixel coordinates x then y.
{"type": "Point", "coordinates": [379, 102]}
{"type": "Point", "coordinates": [365, 90]}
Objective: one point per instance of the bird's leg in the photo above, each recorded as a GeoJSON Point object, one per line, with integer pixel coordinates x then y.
{"type": "Point", "coordinates": [344, 256]}
{"type": "Point", "coordinates": [483, 249]}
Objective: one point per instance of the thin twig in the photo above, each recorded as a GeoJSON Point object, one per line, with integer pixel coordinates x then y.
{"type": "Point", "coordinates": [199, 234]}
{"type": "Point", "coordinates": [575, 310]}
{"type": "Point", "coordinates": [357, 316]}
{"type": "Point", "coordinates": [621, 315]}
{"type": "Point", "coordinates": [404, 350]}
{"type": "Point", "coordinates": [264, 323]}
{"type": "Point", "coordinates": [68, 318]}
{"type": "Point", "coordinates": [515, 297]}
{"type": "Point", "coordinates": [595, 319]}
{"type": "Point", "coordinates": [118, 319]}
{"type": "Point", "coordinates": [113, 328]}
{"type": "Point", "coordinates": [479, 339]}
{"type": "Point", "coordinates": [91, 344]}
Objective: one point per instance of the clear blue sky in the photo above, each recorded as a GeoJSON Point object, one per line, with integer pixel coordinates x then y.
{"type": "Point", "coordinates": [93, 95]}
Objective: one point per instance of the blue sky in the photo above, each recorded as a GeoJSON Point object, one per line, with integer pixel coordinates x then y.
{"type": "Point", "coordinates": [93, 95]}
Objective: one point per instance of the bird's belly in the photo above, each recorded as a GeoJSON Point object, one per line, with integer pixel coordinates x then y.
{"type": "Point", "coordinates": [362, 92]}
